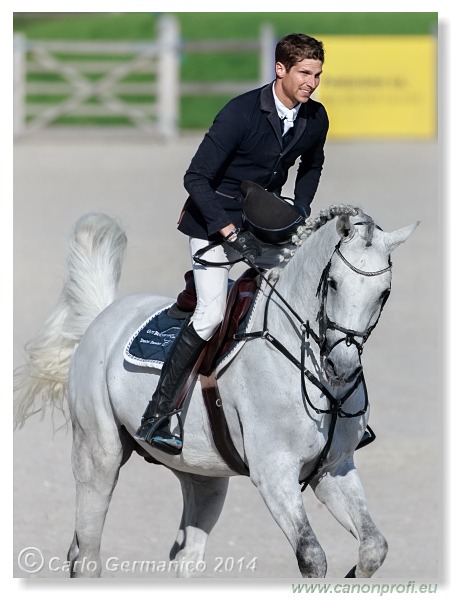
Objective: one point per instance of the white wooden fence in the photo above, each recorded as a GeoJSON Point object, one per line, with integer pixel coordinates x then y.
{"type": "Point", "coordinates": [88, 79]}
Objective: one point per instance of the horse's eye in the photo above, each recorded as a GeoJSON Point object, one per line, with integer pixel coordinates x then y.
{"type": "Point", "coordinates": [332, 284]}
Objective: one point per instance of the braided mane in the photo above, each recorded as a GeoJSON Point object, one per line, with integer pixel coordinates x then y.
{"type": "Point", "coordinates": [311, 225]}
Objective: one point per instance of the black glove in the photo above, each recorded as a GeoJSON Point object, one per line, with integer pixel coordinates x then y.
{"type": "Point", "coordinates": [247, 245]}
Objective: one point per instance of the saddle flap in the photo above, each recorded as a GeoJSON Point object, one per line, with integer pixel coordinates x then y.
{"type": "Point", "coordinates": [239, 301]}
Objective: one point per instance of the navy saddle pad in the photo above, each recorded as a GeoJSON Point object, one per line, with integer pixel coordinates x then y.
{"type": "Point", "coordinates": [151, 344]}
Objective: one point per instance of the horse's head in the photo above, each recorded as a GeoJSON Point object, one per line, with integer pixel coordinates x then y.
{"type": "Point", "coordinates": [354, 287]}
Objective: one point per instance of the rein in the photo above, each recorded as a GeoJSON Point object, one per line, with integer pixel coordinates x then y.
{"type": "Point", "coordinates": [335, 409]}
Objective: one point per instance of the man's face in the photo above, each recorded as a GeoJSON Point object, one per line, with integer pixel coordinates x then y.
{"type": "Point", "coordinates": [297, 84]}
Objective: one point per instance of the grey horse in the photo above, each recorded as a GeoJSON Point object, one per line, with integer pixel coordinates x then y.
{"type": "Point", "coordinates": [294, 396]}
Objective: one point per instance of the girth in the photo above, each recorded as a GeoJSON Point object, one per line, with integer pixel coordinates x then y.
{"type": "Point", "coordinates": [219, 427]}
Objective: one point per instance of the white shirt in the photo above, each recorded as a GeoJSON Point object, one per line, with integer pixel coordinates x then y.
{"type": "Point", "coordinates": [287, 114]}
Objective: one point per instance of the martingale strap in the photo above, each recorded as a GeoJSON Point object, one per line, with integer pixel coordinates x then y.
{"type": "Point", "coordinates": [336, 404]}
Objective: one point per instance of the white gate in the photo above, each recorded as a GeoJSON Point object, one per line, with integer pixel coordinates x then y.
{"type": "Point", "coordinates": [89, 79]}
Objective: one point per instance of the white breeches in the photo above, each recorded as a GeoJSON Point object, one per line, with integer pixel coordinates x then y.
{"type": "Point", "coordinates": [211, 284]}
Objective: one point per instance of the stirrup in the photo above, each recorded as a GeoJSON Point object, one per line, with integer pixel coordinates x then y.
{"type": "Point", "coordinates": [368, 437]}
{"type": "Point", "coordinates": [173, 444]}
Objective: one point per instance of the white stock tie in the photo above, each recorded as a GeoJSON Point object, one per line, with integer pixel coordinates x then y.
{"type": "Point", "coordinates": [288, 121]}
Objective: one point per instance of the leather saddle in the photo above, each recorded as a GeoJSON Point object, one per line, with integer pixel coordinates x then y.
{"type": "Point", "coordinates": [240, 298]}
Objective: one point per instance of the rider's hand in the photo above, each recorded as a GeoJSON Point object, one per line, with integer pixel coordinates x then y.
{"type": "Point", "coordinates": [246, 244]}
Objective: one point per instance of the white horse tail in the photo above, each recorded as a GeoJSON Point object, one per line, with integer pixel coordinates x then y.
{"type": "Point", "coordinates": [96, 251]}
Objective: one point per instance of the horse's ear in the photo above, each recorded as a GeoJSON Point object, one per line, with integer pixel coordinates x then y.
{"type": "Point", "coordinates": [393, 239]}
{"type": "Point", "coordinates": [345, 228]}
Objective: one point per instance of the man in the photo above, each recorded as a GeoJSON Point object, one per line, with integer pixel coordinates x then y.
{"type": "Point", "coordinates": [256, 137]}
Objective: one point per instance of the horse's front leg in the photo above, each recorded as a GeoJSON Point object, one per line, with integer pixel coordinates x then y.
{"type": "Point", "coordinates": [277, 482]}
{"type": "Point", "coordinates": [342, 492]}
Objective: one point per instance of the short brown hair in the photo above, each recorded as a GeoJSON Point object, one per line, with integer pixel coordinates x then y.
{"type": "Point", "coordinates": [295, 47]}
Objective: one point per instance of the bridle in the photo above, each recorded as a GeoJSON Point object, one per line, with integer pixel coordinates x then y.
{"type": "Point", "coordinates": [325, 323]}
{"type": "Point", "coordinates": [336, 405]}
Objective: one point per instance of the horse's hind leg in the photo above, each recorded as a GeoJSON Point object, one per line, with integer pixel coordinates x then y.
{"type": "Point", "coordinates": [97, 456]}
{"type": "Point", "coordinates": [343, 495]}
{"type": "Point", "coordinates": [203, 500]}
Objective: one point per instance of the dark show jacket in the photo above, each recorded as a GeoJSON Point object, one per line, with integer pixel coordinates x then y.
{"type": "Point", "coordinates": [245, 143]}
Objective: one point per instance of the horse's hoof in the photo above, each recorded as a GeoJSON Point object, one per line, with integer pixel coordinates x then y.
{"type": "Point", "coordinates": [351, 573]}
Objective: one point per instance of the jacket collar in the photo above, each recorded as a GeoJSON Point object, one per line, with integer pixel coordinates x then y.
{"type": "Point", "coordinates": [267, 105]}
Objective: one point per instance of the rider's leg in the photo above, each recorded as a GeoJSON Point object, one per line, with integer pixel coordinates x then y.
{"type": "Point", "coordinates": [154, 427]}
{"type": "Point", "coordinates": [211, 287]}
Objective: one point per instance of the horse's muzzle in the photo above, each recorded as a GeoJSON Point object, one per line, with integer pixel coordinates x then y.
{"type": "Point", "coordinates": [339, 369]}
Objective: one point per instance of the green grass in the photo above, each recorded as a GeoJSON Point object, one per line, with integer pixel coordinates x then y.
{"type": "Point", "coordinates": [87, 26]}
{"type": "Point", "coordinates": [244, 25]}
{"type": "Point", "coordinates": [198, 112]}
{"type": "Point", "coordinates": [93, 121]}
{"type": "Point", "coordinates": [141, 26]}
{"type": "Point", "coordinates": [228, 66]}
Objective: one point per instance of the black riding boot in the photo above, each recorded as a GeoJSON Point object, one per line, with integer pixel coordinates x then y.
{"type": "Point", "coordinates": [177, 368]}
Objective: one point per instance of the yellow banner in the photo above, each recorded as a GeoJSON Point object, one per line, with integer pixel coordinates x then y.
{"type": "Point", "coordinates": [380, 86]}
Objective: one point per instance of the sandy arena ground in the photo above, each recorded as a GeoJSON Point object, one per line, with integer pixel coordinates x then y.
{"type": "Point", "coordinates": [57, 178]}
